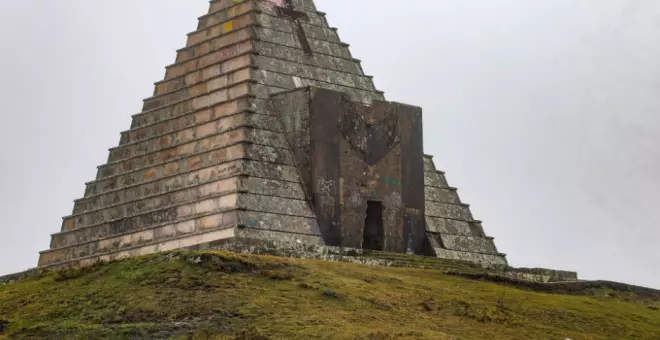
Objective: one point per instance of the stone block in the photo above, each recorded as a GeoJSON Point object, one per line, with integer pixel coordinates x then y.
{"type": "Point", "coordinates": [220, 5]}
{"type": "Point", "coordinates": [272, 236]}
{"type": "Point", "coordinates": [485, 260]}
{"type": "Point", "coordinates": [198, 87]}
{"type": "Point", "coordinates": [276, 222]}
{"type": "Point", "coordinates": [448, 226]}
{"type": "Point", "coordinates": [270, 170]}
{"type": "Point", "coordinates": [441, 195]}
{"type": "Point", "coordinates": [469, 244]}
{"type": "Point", "coordinates": [219, 29]}
{"type": "Point", "coordinates": [314, 17]}
{"type": "Point", "coordinates": [222, 54]}
{"type": "Point", "coordinates": [122, 247]}
{"type": "Point", "coordinates": [195, 132]}
{"type": "Point", "coordinates": [277, 205]}
{"type": "Point", "coordinates": [185, 108]}
{"type": "Point", "coordinates": [429, 165]}
{"type": "Point", "coordinates": [162, 157]}
{"type": "Point", "coordinates": [134, 179]}
{"type": "Point", "coordinates": [277, 72]}
{"type": "Point", "coordinates": [225, 14]}
{"type": "Point", "coordinates": [269, 154]}
{"type": "Point", "coordinates": [272, 187]}
{"type": "Point", "coordinates": [434, 179]}
{"type": "Point", "coordinates": [452, 211]}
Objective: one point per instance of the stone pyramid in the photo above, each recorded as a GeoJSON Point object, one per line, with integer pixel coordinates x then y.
{"type": "Point", "coordinates": [208, 161]}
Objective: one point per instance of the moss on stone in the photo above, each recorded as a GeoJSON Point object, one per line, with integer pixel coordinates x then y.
{"type": "Point", "coordinates": [219, 295]}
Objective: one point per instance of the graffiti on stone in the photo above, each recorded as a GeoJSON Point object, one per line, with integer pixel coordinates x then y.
{"type": "Point", "coordinates": [325, 186]}
{"type": "Point", "coordinates": [356, 199]}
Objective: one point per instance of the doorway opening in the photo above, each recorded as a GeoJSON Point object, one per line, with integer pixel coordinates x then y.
{"type": "Point", "coordinates": [374, 233]}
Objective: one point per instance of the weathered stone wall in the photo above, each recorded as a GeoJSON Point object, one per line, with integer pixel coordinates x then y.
{"type": "Point", "coordinates": [452, 231]}
{"type": "Point", "coordinates": [348, 154]}
{"type": "Point", "coordinates": [210, 159]}
{"type": "Point", "coordinates": [205, 156]}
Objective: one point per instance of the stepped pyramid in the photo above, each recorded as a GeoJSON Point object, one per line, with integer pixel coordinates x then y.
{"type": "Point", "coordinates": [218, 155]}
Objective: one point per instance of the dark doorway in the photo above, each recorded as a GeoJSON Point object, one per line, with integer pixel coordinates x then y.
{"type": "Point", "coordinates": [374, 234]}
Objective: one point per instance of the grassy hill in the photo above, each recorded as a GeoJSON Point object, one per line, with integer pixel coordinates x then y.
{"type": "Point", "coordinates": [216, 295]}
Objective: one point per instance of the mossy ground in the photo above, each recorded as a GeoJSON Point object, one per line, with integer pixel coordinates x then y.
{"type": "Point", "coordinates": [215, 295]}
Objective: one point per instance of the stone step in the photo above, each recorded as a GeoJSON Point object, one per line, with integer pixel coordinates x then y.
{"type": "Point", "coordinates": [222, 15]}
{"type": "Point", "coordinates": [247, 236]}
{"type": "Point", "coordinates": [198, 88]}
{"type": "Point", "coordinates": [451, 211]}
{"type": "Point", "coordinates": [219, 5]}
{"type": "Point", "coordinates": [468, 243]}
{"type": "Point", "coordinates": [279, 72]}
{"type": "Point", "coordinates": [283, 46]}
{"type": "Point", "coordinates": [192, 179]}
{"type": "Point", "coordinates": [192, 163]}
{"type": "Point", "coordinates": [205, 73]}
{"type": "Point", "coordinates": [313, 17]}
{"type": "Point", "coordinates": [429, 166]}
{"type": "Point", "coordinates": [87, 241]}
{"type": "Point", "coordinates": [241, 105]}
{"type": "Point", "coordinates": [57, 259]}
{"type": "Point", "coordinates": [320, 33]}
{"type": "Point", "coordinates": [170, 169]}
{"type": "Point", "coordinates": [188, 195]}
{"type": "Point", "coordinates": [196, 132]}
{"type": "Point", "coordinates": [242, 44]}
{"type": "Point", "coordinates": [323, 50]}
{"type": "Point", "coordinates": [445, 195]}
{"type": "Point", "coordinates": [486, 260]}
{"type": "Point", "coordinates": [261, 169]}
{"type": "Point", "coordinates": [356, 95]}
{"type": "Point", "coordinates": [222, 200]}
{"type": "Point", "coordinates": [274, 204]}
{"type": "Point", "coordinates": [278, 222]}
{"type": "Point", "coordinates": [213, 31]}
{"type": "Point", "coordinates": [451, 226]}
{"type": "Point", "coordinates": [271, 83]}
{"type": "Point", "coordinates": [192, 105]}
{"type": "Point", "coordinates": [434, 179]}
{"type": "Point", "coordinates": [149, 196]}
{"type": "Point", "coordinates": [223, 139]}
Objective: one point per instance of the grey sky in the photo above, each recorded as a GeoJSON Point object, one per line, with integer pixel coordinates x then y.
{"type": "Point", "coordinates": [545, 114]}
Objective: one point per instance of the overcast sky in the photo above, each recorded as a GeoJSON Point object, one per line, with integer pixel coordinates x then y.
{"type": "Point", "coordinates": [545, 114]}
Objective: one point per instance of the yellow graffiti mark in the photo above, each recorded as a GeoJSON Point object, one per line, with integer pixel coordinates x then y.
{"type": "Point", "coordinates": [229, 25]}
{"type": "Point", "coordinates": [69, 224]}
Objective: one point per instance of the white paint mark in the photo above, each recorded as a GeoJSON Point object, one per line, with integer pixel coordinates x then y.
{"type": "Point", "coordinates": [356, 199]}
{"type": "Point", "coordinates": [325, 186]}
{"type": "Point", "coordinates": [297, 82]}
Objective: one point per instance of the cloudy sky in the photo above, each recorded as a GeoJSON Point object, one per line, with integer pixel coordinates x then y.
{"type": "Point", "coordinates": [545, 113]}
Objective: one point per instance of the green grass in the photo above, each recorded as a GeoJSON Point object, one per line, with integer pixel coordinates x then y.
{"type": "Point", "coordinates": [215, 295]}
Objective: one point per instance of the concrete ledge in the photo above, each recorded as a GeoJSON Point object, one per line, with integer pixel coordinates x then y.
{"type": "Point", "coordinates": [174, 243]}
{"type": "Point", "coordinates": [540, 274]}
{"type": "Point", "coordinates": [489, 261]}
{"type": "Point", "coordinates": [141, 237]}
